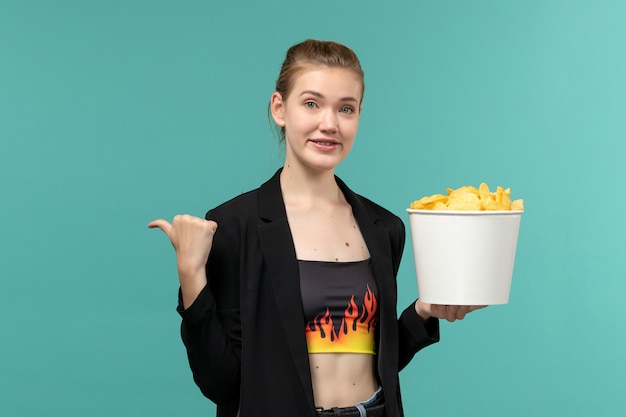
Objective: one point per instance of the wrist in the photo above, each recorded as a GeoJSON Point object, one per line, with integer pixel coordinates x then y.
{"type": "Point", "coordinates": [192, 282]}
{"type": "Point", "coordinates": [421, 311]}
{"type": "Point", "coordinates": [190, 289]}
{"type": "Point", "coordinates": [191, 270]}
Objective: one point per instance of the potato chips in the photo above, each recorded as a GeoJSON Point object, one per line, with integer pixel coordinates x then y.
{"type": "Point", "coordinates": [469, 198]}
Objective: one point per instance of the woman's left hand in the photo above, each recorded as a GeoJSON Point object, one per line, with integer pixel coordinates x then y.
{"type": "Point", "coordinates": [441, 311]}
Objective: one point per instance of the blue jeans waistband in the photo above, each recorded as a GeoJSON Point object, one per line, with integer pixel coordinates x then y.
{"type": "Point", "coordinates": [372, 407]}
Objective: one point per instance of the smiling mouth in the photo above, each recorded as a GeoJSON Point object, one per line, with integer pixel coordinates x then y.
{"type": "Point", "coordinates": [325, 143]}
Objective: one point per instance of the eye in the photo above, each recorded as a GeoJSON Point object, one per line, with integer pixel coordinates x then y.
{"type": "Point", "coordinates": [310, 104]}
{"type": "Point", "coordinates": [347, 109]}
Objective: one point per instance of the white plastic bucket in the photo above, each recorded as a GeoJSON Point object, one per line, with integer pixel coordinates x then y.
{"type": "Point", "coordinates": [464, 257]}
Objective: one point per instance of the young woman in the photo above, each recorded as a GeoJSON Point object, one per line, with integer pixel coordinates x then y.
{"type": "Point", "coordinates": [289, 308]}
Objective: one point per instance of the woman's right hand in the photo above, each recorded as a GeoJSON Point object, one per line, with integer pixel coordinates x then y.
{"type": "Point", "coordinates": [442, 311]}
{"type": "Point", "coordinates": [192, 238]}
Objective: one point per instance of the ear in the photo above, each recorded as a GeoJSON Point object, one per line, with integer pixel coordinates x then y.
{"type": "Point", "coordinates": [277, 107]}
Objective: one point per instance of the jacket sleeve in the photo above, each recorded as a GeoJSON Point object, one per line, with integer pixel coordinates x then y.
{"type": "Point", "coordinates": [413, 333]}
{"type": "Point", "coordinates": [211, 326]}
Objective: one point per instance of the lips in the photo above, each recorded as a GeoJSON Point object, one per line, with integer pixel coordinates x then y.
{"type": "Point", "coordinates": [325, 142]}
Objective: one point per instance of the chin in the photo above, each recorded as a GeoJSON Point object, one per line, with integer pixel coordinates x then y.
{"type": "Point", "coordinates": [326, 165]}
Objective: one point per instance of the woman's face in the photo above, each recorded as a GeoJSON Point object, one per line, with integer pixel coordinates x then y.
{"type": "Point", "coordinates": [320, 116]}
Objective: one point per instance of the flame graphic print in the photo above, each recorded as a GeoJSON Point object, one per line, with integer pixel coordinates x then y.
{"type": "Point", "coordinates": [354, 332]}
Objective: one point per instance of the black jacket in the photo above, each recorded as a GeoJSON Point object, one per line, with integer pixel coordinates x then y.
{"type": "Point", "coordinates": [244, 333]}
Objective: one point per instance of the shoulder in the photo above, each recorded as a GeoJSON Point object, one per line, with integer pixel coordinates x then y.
{"type": "Point", "coordinates": [384, 214]}
{"type": "Point", "coordinates": [243, 203]}
{"type": "Point", "coordinates": [262, 202]}
{"type": "Point", "coordinates": [365, 208]}
{"type": "Point", "coordinates": [389, 221]}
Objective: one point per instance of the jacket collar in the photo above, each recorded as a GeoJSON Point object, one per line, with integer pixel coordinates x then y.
{"type": "Point", "coordinates": [271, 203]}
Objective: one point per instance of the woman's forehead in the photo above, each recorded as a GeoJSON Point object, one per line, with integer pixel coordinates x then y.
{"type": "Point", "coordinates": [327, 81]}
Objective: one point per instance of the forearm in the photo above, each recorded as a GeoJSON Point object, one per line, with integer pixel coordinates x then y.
{"type": "Point", "coordinates": [415, 333]}
{"type": "Point", "coordinates": [213, 347]}
{"type": "Point", "coordinates": [422, 312]}
{"type": "Point", "coordinates": [192, 281]}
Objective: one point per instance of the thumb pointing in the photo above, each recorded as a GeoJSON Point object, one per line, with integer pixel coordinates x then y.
{"type": "Point", "coordinates": [164, 225]}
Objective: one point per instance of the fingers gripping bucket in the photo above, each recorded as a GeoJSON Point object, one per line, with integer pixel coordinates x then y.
{"type": "Point", "coordinates": [464, 257]}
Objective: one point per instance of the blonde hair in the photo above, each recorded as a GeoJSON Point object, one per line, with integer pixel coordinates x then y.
{"type": "Point", "coordinates": [313, 52]}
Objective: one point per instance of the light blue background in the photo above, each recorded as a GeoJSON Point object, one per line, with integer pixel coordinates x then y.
{"type": "Point", "coordinates": [113, 113]}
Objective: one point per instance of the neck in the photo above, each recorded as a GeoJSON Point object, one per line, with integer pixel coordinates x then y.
{"type": "Point", "coordinates": [301, 186]}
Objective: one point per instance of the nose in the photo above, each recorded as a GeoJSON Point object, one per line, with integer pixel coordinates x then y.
{"type": "Point", "coordinates": [329, 121]}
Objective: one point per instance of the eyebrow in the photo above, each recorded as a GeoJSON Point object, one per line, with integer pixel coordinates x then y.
{"type": "Point", "coordinates": [320, 95]}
